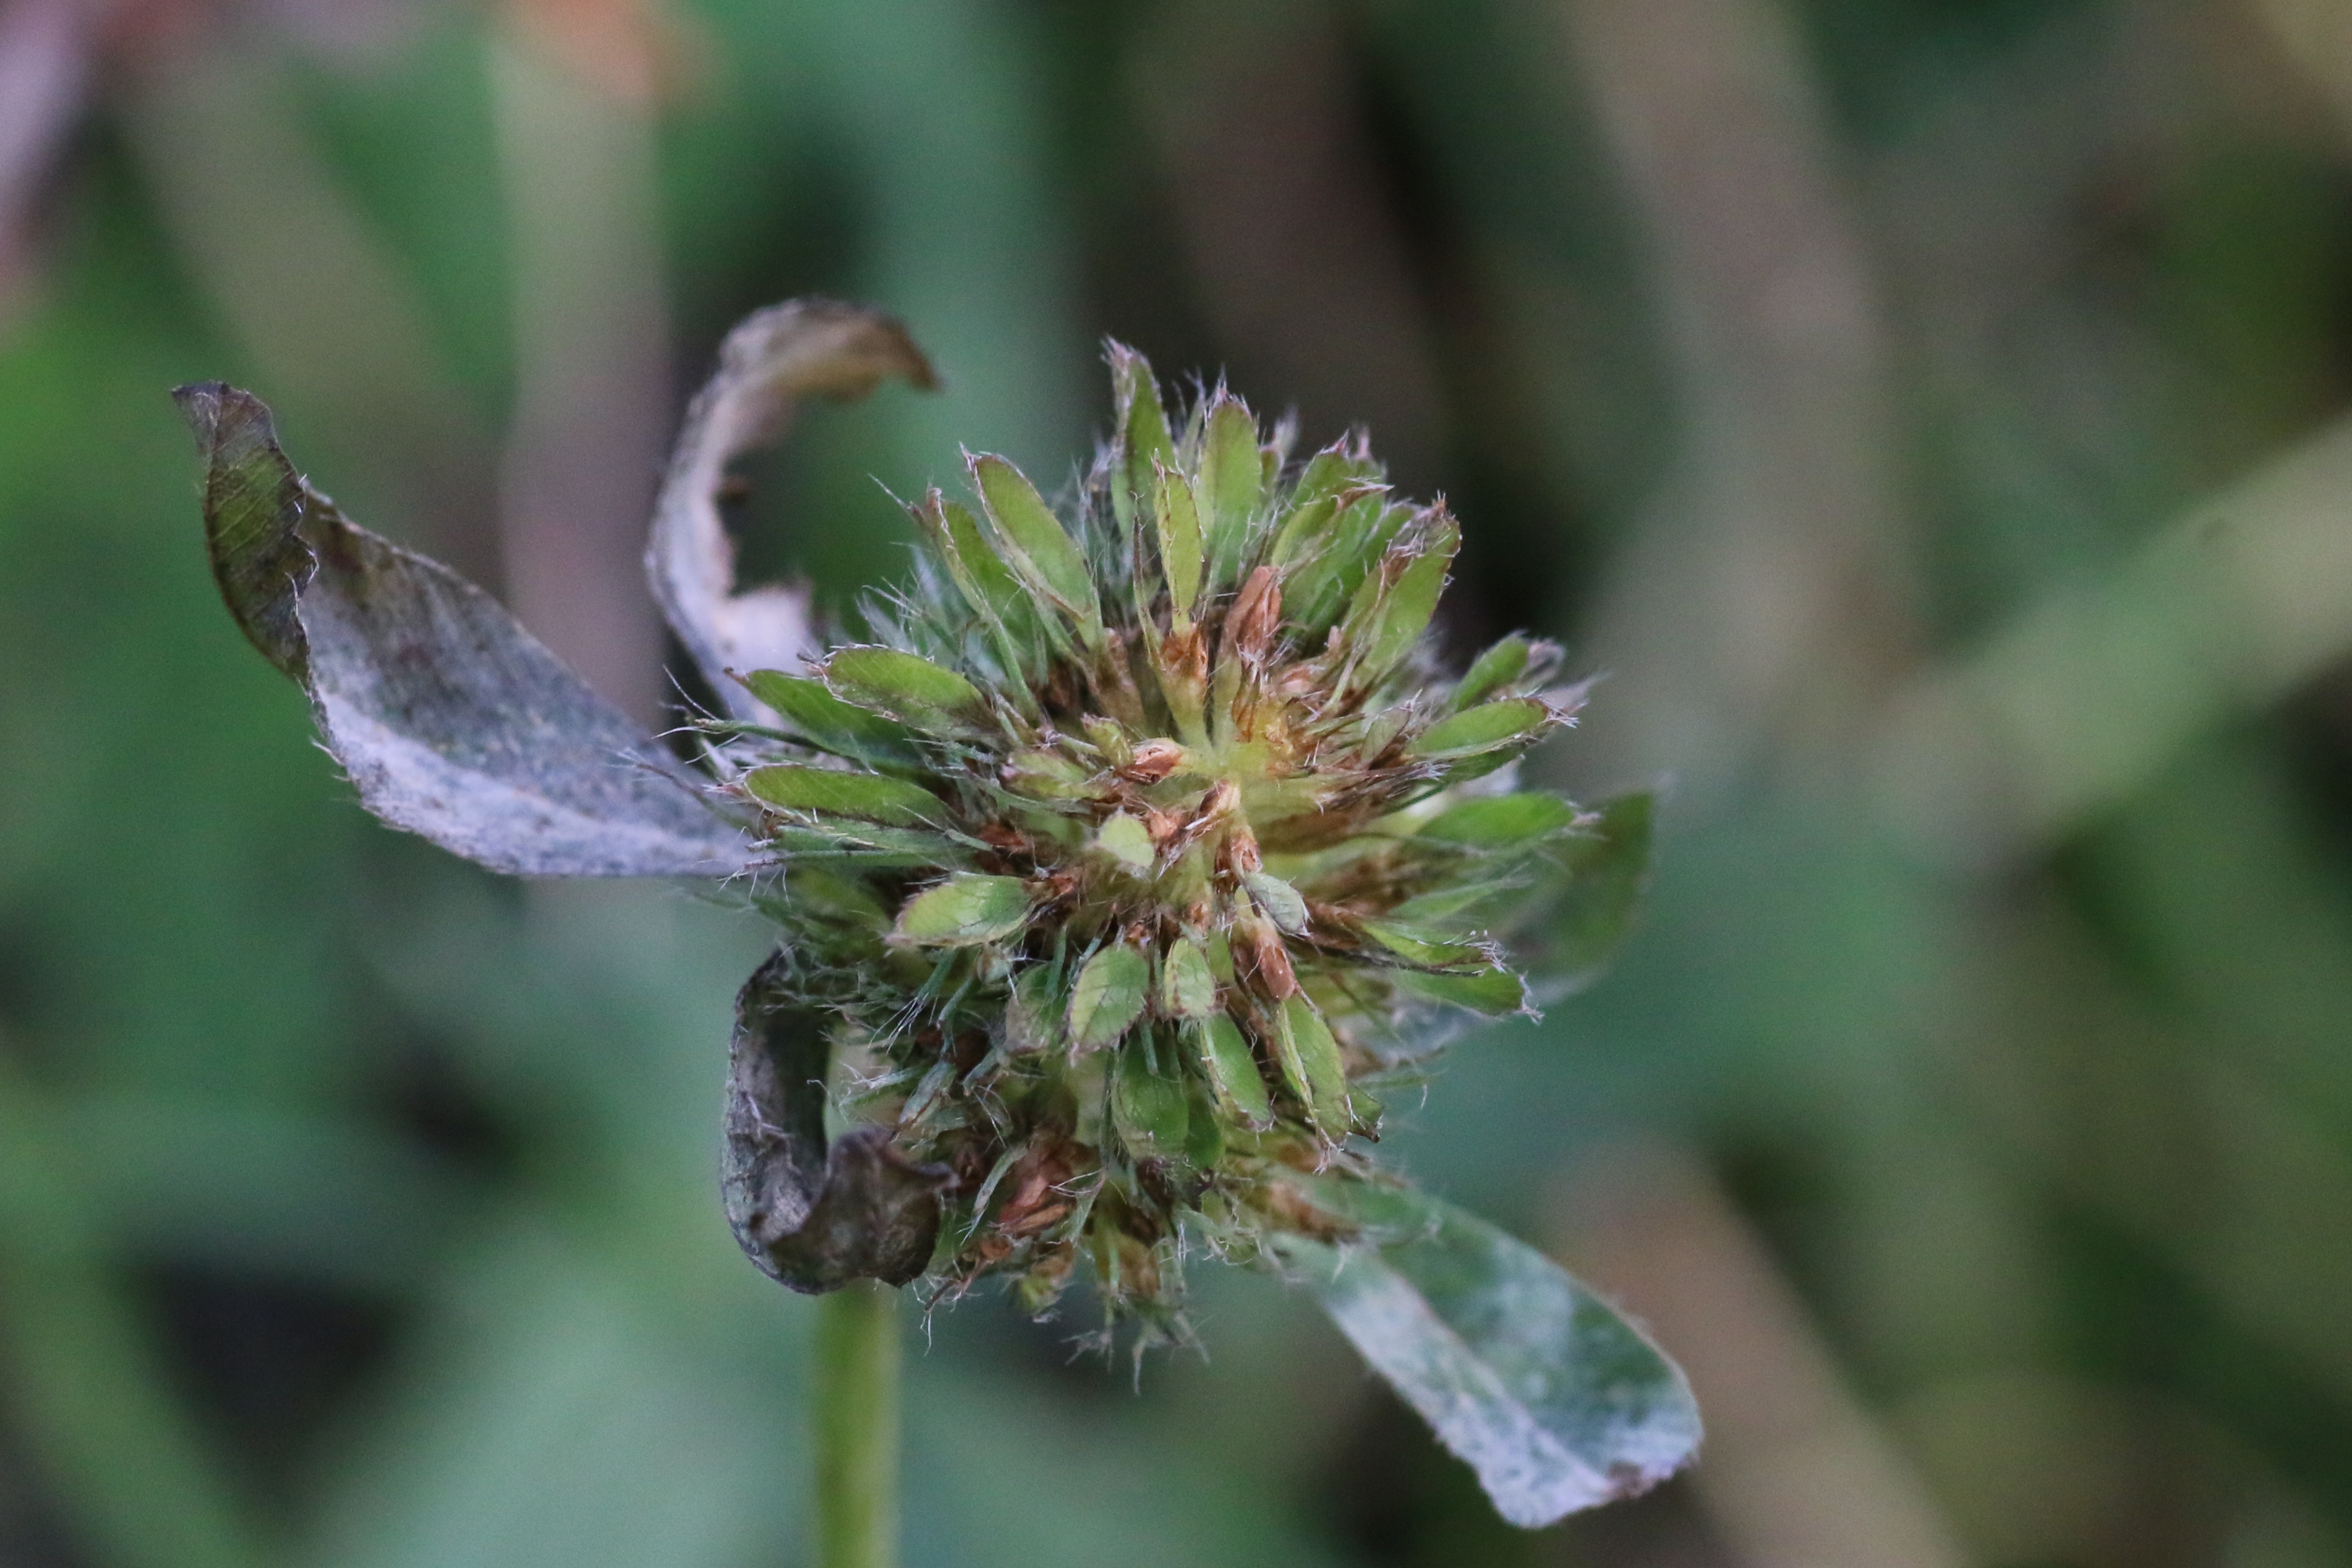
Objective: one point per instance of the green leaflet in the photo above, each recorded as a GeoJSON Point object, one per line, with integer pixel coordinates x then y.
{"type": "Point", "coordinates": [1048, 775]}
{"type": "Point", "coordinates": [1144, 445]}
{"type": "Point", "coordinates": [827, 897]}
{"type": "Point", "coordinates": [1393, 607]}
{"type": "Point", "coordinates": [904, 686]}
{"type": "Point", "coordinates": [1462, 769]}
{"type": "Point", "coordinates": [930, 1095]}
{"type": "Point", "coordinates": [1448, 906]}
{"type": "Point", "coordinates": [1553, 1399]}
{"type": "Point", "coordinates": [1501, 821]}
{"type": "Point", "coordinates": [1221, 958]}
{"type": "Point", "coordinates": [1126, 841]}
{"type": "Point", "coordinates": [1420, 947]}
{"type": "Point", "coordinates": [866, 847]}
{"type": "Point", "coordinates": [1493, 670]}
{"type": "Point", "coordinates": [1334, 469]}
{"type": "Point", "coordinates": [1226, 1061]}
{"type": "Point", "coordinates": [1279, 900]}
{"type": "Point", "coordinates": [980, 575]}
{"type": "Point", "coordinates": [1188, 987]}
{"type": "Point", "coordinates": [1303, 533]}
{"type": "Point", "coordinates": [964, 910]}
{"type": "Point", "coordinates": [1514, 721]}
{"type": "Point", "coordinates": [827, 722]}
{"type": "Point", "coordinates": [1311, 1065]}
{"type": "Point", "coordinates": [1037, 547]}
{"type": "Point", "coordinates": [1320, 587]}
{"type": "Point", "coordinates": [1497, 993]}
{"type": "Point", "coordinates": [1089, 1084]}
{"type": "Point", "coordinates": [1233, 480]}
{"type": "Point", "coordinates": [1150, 1110]}
{"type": "Point", "coordinates": [1204, 1133]}
{"type": "Point", "coordinates": [1183, 551]}
{"type": "Point", "coordinates": [1109, 997]}
{"type": "Point", "coordinates": [868, 797]}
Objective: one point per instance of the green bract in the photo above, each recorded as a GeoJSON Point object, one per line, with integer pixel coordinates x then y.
{"type": "Point", "coordinates": [1126, 859]}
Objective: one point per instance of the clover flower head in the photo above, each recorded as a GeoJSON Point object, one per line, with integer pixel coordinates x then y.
{"type": "Point", "coordinates": [1126, 859]}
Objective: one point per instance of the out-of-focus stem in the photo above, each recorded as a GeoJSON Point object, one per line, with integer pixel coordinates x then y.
{"type": "Point", "coordinates": [1796, 1471]}
{"type": "Point", "coordinates": [1763, 604]}
{"type": "Point", "coordinates": [591, 371]}
{"type": "Point", "coordinates": [86, 1380]}
{"type": "Point", "coordinates": [858, 1427]}
{"type": "Point", "coordinates": [44, 61]}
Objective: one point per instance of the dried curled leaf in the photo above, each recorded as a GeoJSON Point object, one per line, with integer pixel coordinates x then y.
{"type": "Point", "coordinates": [454, 721]}
{"type": "Point", "coordinates": [1533, 1381]}
{"type": "Point", "coordinates": [813, 1217]}
{"type": "Point", "coordinates": [798, 349]}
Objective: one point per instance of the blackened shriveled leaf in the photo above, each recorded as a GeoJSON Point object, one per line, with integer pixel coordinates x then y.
{"type": "Point", "coordinates": [1553, 1399]}
{"type": "Point", "coordinates": [811, 1216]}
{"type": "Point", "coordinates": [798, 349]}
{"type": "Point", "coordinates": [453, 720]}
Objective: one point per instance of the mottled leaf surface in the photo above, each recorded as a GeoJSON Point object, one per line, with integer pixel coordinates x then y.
{"type": "Point", "coordinates": [1226, 1054]}
{"type": "Point", "coordinates": [812, 1216]}
{"type": "Point", "coordinates": [1109, 997]}
{"type": "Point", "coordinates": [903, 686]}
{"type": "Point", "coordinates": [964, 910]}
{"type": "Point", "coordinates": [774, 357]}
{"type": "Point", "coordinates": [453, 720]}
{"type": "Point", "coordinates": [1557, 1403]}
{"type": "Point", "coordinates": [868, 797]}
{"type": "Point", "coordinates": [1478, 729]}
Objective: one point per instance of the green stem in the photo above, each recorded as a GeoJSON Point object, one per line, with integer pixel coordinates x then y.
{"type": "Point", "coordinates": [858, 1427]}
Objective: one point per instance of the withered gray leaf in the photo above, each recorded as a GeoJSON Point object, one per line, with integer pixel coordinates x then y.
{"type": "Point", "coordinates": [812, 1216]}
{"type": "Point", "coordinates": [453, 720]}
{"type": "Point", "coordinates": [794, 350]}
{"type": "Point", "coordinates": [1557, 1401]}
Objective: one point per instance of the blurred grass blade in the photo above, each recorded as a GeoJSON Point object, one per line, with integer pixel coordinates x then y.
{"type": "Point", "coordinates": [1554, 1400]}
{"type": "Point", "coordinates": [2090, 691]}
{"type": "Point", "coordinates": [87, 1387]}
{"type": "Point", "coordinates": [1151, 1110]}
{"type": "Point", "coordinates": [451, 720]}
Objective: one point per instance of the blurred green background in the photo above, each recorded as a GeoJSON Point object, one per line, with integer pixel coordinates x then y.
{"type": "Point", "coordinates": [1932, 415]}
